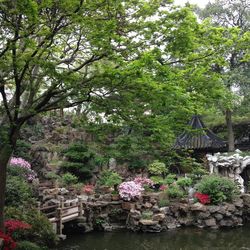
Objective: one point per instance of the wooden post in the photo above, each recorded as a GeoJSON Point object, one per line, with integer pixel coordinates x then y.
{"type": "Point", "coordinates": [59, 224]}
{"type": "Point", "coordinates": [59, 221]}
{"type": "Point", "coordinates": [80, 212]}
{"type": "Point", "coordinates": [62, 202]}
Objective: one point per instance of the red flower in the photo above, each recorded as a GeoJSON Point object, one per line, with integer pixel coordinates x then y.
{"type": "Point", "coordinates": [163, 187]}
{"type": "Point", "coordinates": [13, 225]}
{"type": "Point", "coordinates": [203, 198]}
{"type": "Point", "coordinates": [88, 189]}
{"type": "Point", "coordinates": [9, 243]}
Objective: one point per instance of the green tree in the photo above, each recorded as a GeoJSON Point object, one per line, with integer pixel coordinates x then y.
{"type": "Point", "coordinates": [49, 58]}
{"type": "Point", "coordinates": [234, 17]}
{"type": "Point", "coordinates": [135, 62]}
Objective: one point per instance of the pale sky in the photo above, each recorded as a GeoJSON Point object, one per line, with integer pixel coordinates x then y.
{"type": "Point", "coordinates": [200, 3]}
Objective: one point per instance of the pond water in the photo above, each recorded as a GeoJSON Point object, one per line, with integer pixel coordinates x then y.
{"type": "Point", "coordinates": [181, 239]}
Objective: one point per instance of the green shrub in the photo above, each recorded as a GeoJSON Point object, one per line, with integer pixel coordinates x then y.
{"type": "Point", "coordinates": [52, 176]}
{"type": "Point", "coordinates": [184, 182]}
{"type": "Point", "coordinates": [18, 192]}
{"type": "Point", "coordinates": [109, 178]}
{"type": "Point", "coordinates": [157, 168]}
{"type": "Point", "coordinates": [17, 171]}
{"type": "Point", "coordinates": [41, 231]}
{"type": "Point", "coordinates": [69, 179]}
{"type": "Point", "coordinates": [23, 150]}
{"type": "Point", "coordinates": [171, 178]}
{"type": "Point", "coordinates": [80, 161]}
{"type": "Point", "coordinates": [27, 245]}
{"type": "Point", "coordinates": [147, 215]}
{"type": "Point", "coordinates": [197, 173]}
{"type": "Point", "coordinates": [174, 191]}
{"type": "Point", "coordinates": [163, 203]}
{"type": "Point", "coordinates": [157, 180]}
{"type": "Point", "coordinates": [218, 188]}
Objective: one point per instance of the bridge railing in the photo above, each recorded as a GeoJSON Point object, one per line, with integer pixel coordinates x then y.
{"type": "Point", "coordinates": [59, 213]}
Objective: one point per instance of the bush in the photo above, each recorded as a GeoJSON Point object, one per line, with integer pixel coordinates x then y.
{"type": "Point", "coordinates": [69, 179]}
{"type": "Point", "coordinates": [171, 178]}
{"type": "Point", "coordinates": [184, 182]}
{"type": "Point", "coordinates": [23, 150]}
{"type": "Point", "coordinates": [109, 178]}
{"type": "Point", "coordinates": [163, 203]}
{"type": "Point", "coordinates": [218, 188]}
{"type": "Point", "coordinates": [18, 192]}
{"type": "Point", "coordinates": [22, 168]}
{"type": "Point", "coordinates": [27, 245]}
{"type": "Point", "coordinates": [80, 161]}
{"type": "Point", "coordinates": [129, 190]}
{"type": "Point", "coordinates": [52, 176]}
{"type": "Point", "coordinates": [41, 231]}
{"type": "Point", "coordinates": [197, 173]}
{"type": "Point", "coordinates": [157, 168]}
{"type": "Point", "coordinates": [147, 215]}
{"type": "Point", "coordinates": [174, 191]}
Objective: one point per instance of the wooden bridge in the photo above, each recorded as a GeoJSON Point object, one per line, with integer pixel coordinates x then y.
{"type": "Point", "coordinates": [61, 213]}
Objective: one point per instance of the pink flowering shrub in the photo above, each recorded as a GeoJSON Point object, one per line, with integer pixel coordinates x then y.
{"type": "Point", "coordinates": [24, 167]}
{"type": "Point", "coordinates": [143, 181]}
{"type": "Point", "coordinates": [163, 187]}
{"type": "Point", "coordinates": [88, 189]}
{"type": "Point", "coordinates": [129, 190]}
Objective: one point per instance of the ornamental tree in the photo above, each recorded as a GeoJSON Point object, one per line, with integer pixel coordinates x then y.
{"type": "Point", "coordinates": [129, 60]}
{"type": "Point", "coordinates": [233, 61]}
{"type": "Point", "coordinates": [49, 56]}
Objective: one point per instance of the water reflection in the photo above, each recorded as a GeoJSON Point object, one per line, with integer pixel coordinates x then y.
{"type": "Point", "coordinates": [181, 239]}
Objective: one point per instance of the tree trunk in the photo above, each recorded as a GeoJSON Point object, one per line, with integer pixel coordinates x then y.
{"type": "Point", "coordinates": [230, 131]}
{"type": "Point", "coordinates": [5, 154]}
{"type": "Point", "coordinates": [6, 150]}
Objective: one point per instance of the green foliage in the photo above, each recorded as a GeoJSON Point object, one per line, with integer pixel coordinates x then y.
{"type": "Point", "coordinates": [170, 178]}
{"type": "Point", "coordinates": [69, 179]}
{"type": "Point", "coordinates": [27, 245]}
{"type": "Point", "coordinates": [157, 179]}
{"type": "Point", "coordinates": [157, 168]}
{"type": "Point", "coordinates": [41, 231]}
{"type": "Point", "coordinates": [80, 161]}
{"type": "Point", "coordinates": [147, 215]}
{"type": "Point", "coordinates": [109, 178]}
{"type": "Point", "coordinates": [184, 182]}
{"type": "Point", "coordinates": [197, 173]}
{"type": "Point", "coordinates": [18, 192]}
{"type": "Point", "coordinates": [174, 191]}
{"type": "Point", "coordinates": [163, 203]}
{"type": "Point", "coordinates": [23, 150]}
{"type": "Point", "coordinates": [218, 188]}
{"type": "Point", "coordinates": [16, 171]}
{"type": "Point", "coordinates": [52, 176]}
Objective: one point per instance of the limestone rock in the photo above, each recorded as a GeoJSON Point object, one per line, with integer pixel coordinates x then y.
{"type": "Point", "coordinates": [148, 222]}
{"type": "Point", "coordinates": [210, 222]}
{"type": "Point", "coordinates": [148, 205]}
{"type": "Point", "coordinates": [198, 207]}
{"type": "Point", "coordinates": [203, 215]}
{"type": "Point", "coordinates": [238, 203]}
{"type": "Point", "coordinates": [128, 205]}
{"type": "Point", "coordinates": [159, 217]}
{"type": "Point", "coordinates": [218, 216]}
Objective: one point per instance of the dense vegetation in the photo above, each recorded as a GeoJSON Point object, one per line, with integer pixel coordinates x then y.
{"type": "Point", "coordinates": [131, 73]}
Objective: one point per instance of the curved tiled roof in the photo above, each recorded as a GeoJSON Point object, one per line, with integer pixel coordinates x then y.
{"type": "Point", "coordinates": [198, 137]}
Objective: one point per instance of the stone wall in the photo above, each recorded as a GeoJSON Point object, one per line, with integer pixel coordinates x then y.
{"type": "Point", "coordinates": [146, 215]}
